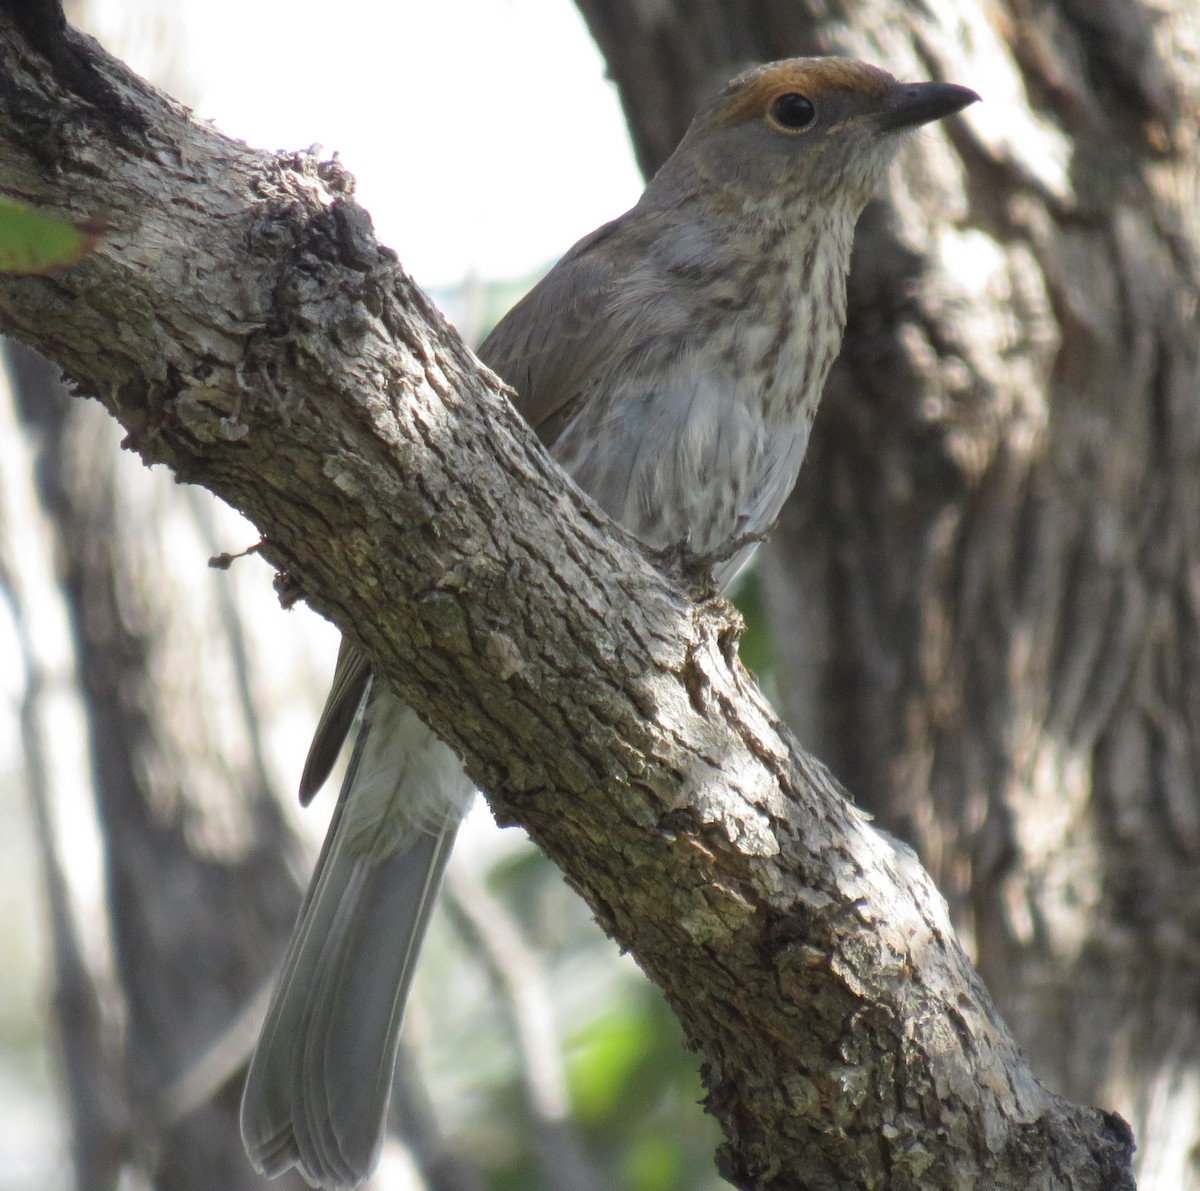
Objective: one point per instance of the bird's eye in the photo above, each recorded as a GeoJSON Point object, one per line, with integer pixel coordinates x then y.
{"type": "Point", "coordinates": [792, 111]}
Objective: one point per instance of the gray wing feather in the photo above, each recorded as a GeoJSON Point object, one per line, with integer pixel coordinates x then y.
{"type": "Point", "coordinates": [350, 680]}
{"type": "Point", "coordinates": [548, 341]}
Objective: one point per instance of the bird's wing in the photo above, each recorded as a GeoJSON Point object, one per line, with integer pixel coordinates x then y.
{"type": "Point", "coordinates": [350, 679]}
{"type": "Point", "coordinates": [550, 340]}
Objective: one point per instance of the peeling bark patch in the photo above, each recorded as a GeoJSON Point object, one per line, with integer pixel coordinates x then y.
{"type": "Point", "coordinates": [680, 821]}
{"type": "Point", "coordinates": [503, 655]}
{"type": "Point", "coordinates": [695, 681]}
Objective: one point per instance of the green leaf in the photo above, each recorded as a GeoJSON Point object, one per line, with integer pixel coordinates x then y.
{"type": "Point", "coordinates": [654, 1161]}
{"type": "Point", "coordinates": [601, 1067]}
{"type": "Point", "coordinates": [33, 242]}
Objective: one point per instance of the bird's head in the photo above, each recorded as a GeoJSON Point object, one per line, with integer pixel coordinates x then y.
{"type": "Point", "coordinates": [823, 129]}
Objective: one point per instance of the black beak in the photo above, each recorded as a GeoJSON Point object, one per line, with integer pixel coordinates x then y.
{"type": "Point", "coordinates": [913, 104]}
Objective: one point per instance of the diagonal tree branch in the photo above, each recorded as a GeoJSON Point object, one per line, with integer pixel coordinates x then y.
{"type": "Point", "coordinates": [247, 330]}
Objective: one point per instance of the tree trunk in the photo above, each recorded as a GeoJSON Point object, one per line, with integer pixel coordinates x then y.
{"type": "Point", "coordinates": [985, 591]}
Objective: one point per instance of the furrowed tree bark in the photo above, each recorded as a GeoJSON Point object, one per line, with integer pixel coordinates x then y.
{"type": "Point", "coordinates": [984, 590]}
{"type": "Point", "coordinates": [246, 329]}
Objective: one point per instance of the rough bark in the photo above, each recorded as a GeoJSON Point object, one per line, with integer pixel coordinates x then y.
{"type": "Point", "coordinates": [247, 330]}
{"type": "Point", "coordinates": [985, 588]}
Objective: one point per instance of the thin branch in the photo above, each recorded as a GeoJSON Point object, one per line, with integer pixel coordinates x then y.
{"type": "Point", "coordinates": [412, 1118]}
{"type": "Point", "coordinates": [516, 974]}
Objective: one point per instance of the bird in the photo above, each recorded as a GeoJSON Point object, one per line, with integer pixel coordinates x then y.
{"type": "Point", "coordinates": [671, 362]}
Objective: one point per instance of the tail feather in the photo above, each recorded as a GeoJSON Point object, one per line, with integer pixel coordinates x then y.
{"type": "Point", "coordinates": [317, 1092]}
{"type": "Point", "coordinates": [347, 1072]}
{"type": "Point", "coordinates": [318, 1087]}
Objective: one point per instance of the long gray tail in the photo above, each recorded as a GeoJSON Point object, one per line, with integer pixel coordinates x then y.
{"type": "Point", "coordinates": [317, 1092]}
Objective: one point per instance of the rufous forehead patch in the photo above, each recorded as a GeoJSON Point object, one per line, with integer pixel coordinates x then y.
{"type": "Point", "coordinates": [751, 95]}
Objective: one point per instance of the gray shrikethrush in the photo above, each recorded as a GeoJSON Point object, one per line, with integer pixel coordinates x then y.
{"type": "Point", "coordinates": [672, 363]}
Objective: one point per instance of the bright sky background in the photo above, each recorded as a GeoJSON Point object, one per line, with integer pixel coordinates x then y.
{"type": "Point", "coordinates": [483, 133]}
